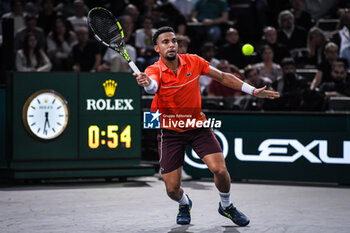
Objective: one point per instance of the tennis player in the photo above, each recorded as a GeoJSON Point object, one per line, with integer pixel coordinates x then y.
{"type": "Point", "coordinates": [174, 81]}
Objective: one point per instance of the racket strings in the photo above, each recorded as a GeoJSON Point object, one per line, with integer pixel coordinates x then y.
{"type": "Point", "coordinates": [104, 25]}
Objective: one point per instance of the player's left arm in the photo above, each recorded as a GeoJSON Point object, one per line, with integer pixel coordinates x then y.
{"type": "Point", "coordinates": [235, 83]}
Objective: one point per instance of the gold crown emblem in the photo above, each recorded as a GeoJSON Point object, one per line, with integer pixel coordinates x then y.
{"type": "Point", "coordinates": [110, 86]}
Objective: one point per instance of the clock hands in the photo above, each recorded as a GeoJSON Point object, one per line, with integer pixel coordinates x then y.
{"type": "Point", "coordinates": [47, 118]}
{"type": "Point", "coordinates": [46, 122]}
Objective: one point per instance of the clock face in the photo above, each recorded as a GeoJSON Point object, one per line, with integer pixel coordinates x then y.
{"type": "Point", "coordinates": [45, 114]}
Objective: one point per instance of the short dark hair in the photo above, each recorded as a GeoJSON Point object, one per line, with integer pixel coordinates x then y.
{"type": "Point", "coordinates": [207, 46]}
{"type": "Point", "coordinates": [287, 61]}
{"type": "Point", "coordinates": [161, 31]}
{"type": "Point", "coordinates": [181, 39]}
{"type": "Point", "coordinates": [249, 68]}
{"type": "Point", "coordinates": [340, 64]}
{"type": "Point", "coordinates": [265, 47]}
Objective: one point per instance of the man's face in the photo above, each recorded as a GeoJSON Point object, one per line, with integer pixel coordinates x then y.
{"type": "Point", "coordinates": [232, 36]}
{"type": "Point", "coordinates": [209, 54]}
{"type": "Point", "coordinates": [31, 23]}
{"type": "Point", "coordinates": [338, 73]}
{"type": "Point", "coordinates": [182, 48]}
{"type": "Point", "coordinates": [147, 24]}
{"type": "Point", "coordinates": [271, 36]}
{"type": "Point", "coordinates": [287, 21]}
{"type": "Point", "coordinates": [331, 53]}
{"type": "Point", "coordinates": [127, 22]}
{"type": "Point", "coordinates": [167, 46]}
{"type": "Point", "coordinates": [288, 69]}
{"type": "Point", "coordinates": [79, 9]}
{"type": "Point", "coordinates": [83, 35]}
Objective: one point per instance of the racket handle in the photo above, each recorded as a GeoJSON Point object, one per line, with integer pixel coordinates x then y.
{"type": "Point", "coordinates": [134, 67]}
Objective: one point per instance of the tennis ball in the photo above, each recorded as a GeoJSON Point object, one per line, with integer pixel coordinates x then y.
{"type": "Point", "coordinates": [247, 49]}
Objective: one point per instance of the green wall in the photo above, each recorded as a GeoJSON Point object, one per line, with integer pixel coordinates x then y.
{"type": "Point", "coordinates": [2, 127]}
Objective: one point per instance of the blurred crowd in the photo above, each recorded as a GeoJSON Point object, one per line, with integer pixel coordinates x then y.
{"type": "Point", "coordinates": [288, 35]}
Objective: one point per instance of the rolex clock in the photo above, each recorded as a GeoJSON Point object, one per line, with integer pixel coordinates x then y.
{"type": "Point", "coordinates": [45, 114]}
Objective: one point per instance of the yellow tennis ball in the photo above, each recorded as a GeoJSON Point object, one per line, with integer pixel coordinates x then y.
{"type": "Point", "coordinates": [247, 49]}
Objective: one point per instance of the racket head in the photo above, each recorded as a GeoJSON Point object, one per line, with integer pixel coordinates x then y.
{"type": "Point", "coordinates": [107, 29]}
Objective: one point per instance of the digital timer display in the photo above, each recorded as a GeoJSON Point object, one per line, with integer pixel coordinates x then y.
{"type": "Point", "coordinates": [109, 136]}
{"type": "Point", "coordinates": [96, 136]}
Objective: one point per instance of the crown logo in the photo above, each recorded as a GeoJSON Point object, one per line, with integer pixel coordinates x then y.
{"type": "Point", "coordinates": [110, 86]}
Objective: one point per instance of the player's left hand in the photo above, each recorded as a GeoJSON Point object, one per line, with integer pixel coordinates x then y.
{"type": "Point", "coordinates": [263, 93]}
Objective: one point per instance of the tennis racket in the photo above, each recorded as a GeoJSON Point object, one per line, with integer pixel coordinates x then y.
{"type": "Point", "coordinates": [107, 30]}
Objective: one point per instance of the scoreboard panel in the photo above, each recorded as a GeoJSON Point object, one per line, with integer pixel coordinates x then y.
{"type": "Point", "coordinates": [102, 136]}
{"type": "Point", "coordinates": [109, 109]}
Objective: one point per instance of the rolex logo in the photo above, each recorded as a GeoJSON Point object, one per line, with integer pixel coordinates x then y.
{"type": "Point", "coordinates": [110, 86]}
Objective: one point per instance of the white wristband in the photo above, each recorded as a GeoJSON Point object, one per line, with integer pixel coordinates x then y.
{"type": "Point", "coordinates": [152, 87]}
{"type": "Point", "coordinates": [248, 88]}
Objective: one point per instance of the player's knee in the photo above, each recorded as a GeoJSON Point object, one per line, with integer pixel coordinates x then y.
{"type": "Point", "coordinates": [220, 171]}
{"type": "Point", "coordinates": [172, 190]}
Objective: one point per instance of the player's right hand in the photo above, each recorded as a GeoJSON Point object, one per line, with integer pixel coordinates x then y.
{"type": "Point", "coordinates": [142, 79]}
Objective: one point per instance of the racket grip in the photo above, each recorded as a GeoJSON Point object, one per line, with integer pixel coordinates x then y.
{"type": "Point", "coordinates": [134, 67]}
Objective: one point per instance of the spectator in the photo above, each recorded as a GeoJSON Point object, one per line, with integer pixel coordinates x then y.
{"type": "Point", "coordinates": [217, 89]}
{"type": "Point", "coordinates": [60, 42]}
{"type": "Point", "coordinates": [134, 13]}
{"type": "Point", "coordinates": [182, 42]}
{"type": "Point", "coordinates": [270, 38]}
{"type": "Point", "coordinates": [340, 83]}
{"type": "Point", "coordinates": [47, 16]}
{"type": "Point", "coordinates": [65, 8]}
{"type": "Point", "coordinates": [144, 44]}
{"type": "Point", "coordinates": [316, 41]}
{"type": "Point", "coordinates": [33, 7]}
{"type": "Point", "coordinates": [146, 7]}
{"type": "Point", "coordinates": [267, 68]}
{"type": "Point", "coordinates": [211, 14]}
{"type": "Point", "coordinates": [86, 54]}
{"type": "Point", "coordinates": [157, 17]}
{"type": "Point", "coordinates": [32, 58]}
{"type": "Point", "coordinates": [290, 86]}
{"type": "Point", "coordinates": [17, 14]}
{"type": "Point", "coordinates": [79, 19]}
{"type": "Point", "coordinates": [321, 8]}
{"type": "Point", "coordinates": [302, 17]}
{"type": "Point", "coordinates": [31, 27]}
{"type": "Point", "coordinates": [323, 74]}
{"type": "Point", "coordinates": [342, 38]}
{"type": "Point", "coordinates": [248, 102]}
{"type": "Point", "coordinates": [173, 17]}
{"type": "Point", "coordinates": [232, 49]}
{"type": "Point", "coordinates": [128, 28]}
{"type": "Point", "coordinates": [253, 77]}
{"type": "Point", "coordinates": [294, 37]}
{"type": "Point", "coordinates": [208, 53]}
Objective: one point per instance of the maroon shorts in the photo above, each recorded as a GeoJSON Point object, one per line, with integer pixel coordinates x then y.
{"type": "Point", "coordinates": [171, 146]}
